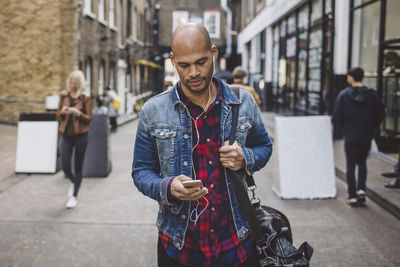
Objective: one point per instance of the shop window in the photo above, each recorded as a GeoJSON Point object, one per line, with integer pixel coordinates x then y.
{"type": "Point", "coordinates": [314, 69]}
{"type": "Point", "coordinates": [365, 41]}
{"type": "Point", "coordinates": [292, 24]}
{"type": "Point", "coordinates": [291, 47]}
{"type": "Point", "coordinates": [328, 6]}
{"type": "Point", "coordinates": [275, 57]}
{"type": "Point", "coordinates": [301, 103]}
{"type": "Point", "coordinates": [303, 18]}
{"type": "Point", "coordinates": [282, 28]}
{"type": "Point", "coordinates": [392, 20]}
{"type": "Point", "coordinates": [316, 12]}
{"type": "Point", "coordinates": [359, 2]}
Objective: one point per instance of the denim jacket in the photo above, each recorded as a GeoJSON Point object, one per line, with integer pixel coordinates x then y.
{"type": "Point", "coordinates": [163, 150]}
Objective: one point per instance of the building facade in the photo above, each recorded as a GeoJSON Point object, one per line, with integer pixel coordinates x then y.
{"type": "Point", "coordinates": [43, 41]}
{"type": "Point", "coordinates": [302, 49]}
{"type": "Point", "coordinates": [212, 14]}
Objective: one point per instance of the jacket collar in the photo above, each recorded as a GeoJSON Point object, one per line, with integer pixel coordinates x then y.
{"type": "Point", "coordinates": [228, 96]}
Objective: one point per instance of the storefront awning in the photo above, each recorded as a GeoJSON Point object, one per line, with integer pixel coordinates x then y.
{"type": "Point", "coordinates": [150, 64]}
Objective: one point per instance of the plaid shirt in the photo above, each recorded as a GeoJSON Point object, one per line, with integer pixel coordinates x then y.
{"type": "Point", "coordinates": [213, 240]}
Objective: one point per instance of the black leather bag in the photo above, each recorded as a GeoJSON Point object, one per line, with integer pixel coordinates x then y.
{"type": "Point", "coordinates": [270, 227]}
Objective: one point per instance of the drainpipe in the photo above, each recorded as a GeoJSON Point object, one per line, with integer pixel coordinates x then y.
{"type": "Point", "coordinates": [228, 11]}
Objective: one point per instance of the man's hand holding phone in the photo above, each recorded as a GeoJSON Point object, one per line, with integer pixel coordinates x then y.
{"type": "Point", "coordinates": [185, 188]}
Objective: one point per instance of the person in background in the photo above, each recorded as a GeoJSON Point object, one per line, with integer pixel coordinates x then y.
{"type": "Point", "coordinates": [182, 135]}
{"type": "Point", "coordinates": [100, 108]}
{"type": "Point", "coordinates": [395, 183]}
{"type": "Point", "coordinates": [239, 74]}
{"type": "Point", "coordinates": [74, 113]}
{"type": "Point", "coordinates": [112, 112]}
{"type": "Point", "coordinates": [359, 112]}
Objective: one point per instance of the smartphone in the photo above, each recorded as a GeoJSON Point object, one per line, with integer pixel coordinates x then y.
{"type": "Point", "coordinates": [192, 183]}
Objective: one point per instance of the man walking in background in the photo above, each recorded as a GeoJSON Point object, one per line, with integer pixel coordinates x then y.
{"type": "Point", "coordinates": [359, 112]}
{"type": "Point", "coordinates": [239, 74]}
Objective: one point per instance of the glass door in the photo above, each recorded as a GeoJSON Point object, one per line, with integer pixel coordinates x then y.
{"type": "Point", "coordinates": [391, 92]}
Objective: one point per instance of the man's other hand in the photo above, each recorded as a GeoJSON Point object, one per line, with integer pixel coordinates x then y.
{"type": "Point", "coordinates": [232, 157]}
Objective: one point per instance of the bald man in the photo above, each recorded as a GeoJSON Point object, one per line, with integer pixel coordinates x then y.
{"type": "Point", "coordinates": [181, 137]}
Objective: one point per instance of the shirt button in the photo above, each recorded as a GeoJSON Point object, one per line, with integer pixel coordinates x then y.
{"type": "Point", "coordinates": [212, 186]}
{"type": "Point", "coordinates": [212, 230]}
{"type": "Point", "coordinates": [185, 163]}
{"type": "Point", "coordinates": [183, 216]}
{"type": "Point", "coordinates": [205, 116]}
{"type": "Point", "coordinates": [213, 209]}
{"type": "Point", "coordinates": [210, 162]}
{"type": "Point", "coordinates": [185, 136]}
{"type": "Point", "coordinates": [208, 139]}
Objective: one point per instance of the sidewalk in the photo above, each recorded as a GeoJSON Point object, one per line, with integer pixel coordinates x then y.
{"type": "Point", "coordinates": [389, 199]}
{"type": "Point", "coordinates": [114, 224]}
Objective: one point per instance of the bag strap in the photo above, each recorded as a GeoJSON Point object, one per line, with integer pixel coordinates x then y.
{"type": "Point", "coordinates": [243, 197]}
{"type": "Point", "coordinates": [235, 114]}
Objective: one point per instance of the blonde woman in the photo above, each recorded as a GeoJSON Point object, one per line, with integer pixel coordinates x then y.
{"type": "Point", "coordinates": [74, 114]}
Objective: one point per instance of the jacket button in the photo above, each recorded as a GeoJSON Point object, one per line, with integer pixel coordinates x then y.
{"type": "Point", "coordinates": [185, 136]}
{"type": "Point", "coordinates": [210, 162]}
{"type": "Point", "coordinates": [185, 163]}
{"type": "Point", "coordinates": [183, 216]}
{"type": "Point", "coordinates": [242, 127]}
{"type": "Point", "coordinates": [162, 133]}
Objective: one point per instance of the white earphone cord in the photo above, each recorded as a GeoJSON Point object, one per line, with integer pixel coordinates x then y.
{"type": "Point", "coordinates": [195, 212]}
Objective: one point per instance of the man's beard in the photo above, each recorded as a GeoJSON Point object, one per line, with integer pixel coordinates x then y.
{"type": "Point", "coordinates": [207, 79]}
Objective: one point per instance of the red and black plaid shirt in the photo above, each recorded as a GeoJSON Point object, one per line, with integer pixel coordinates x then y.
{"type": "Point", "coordinates": [212, 241]}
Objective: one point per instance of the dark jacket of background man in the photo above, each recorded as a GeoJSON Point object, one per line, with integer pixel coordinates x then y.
{"type": "Point", "coordinates": [360, 112]}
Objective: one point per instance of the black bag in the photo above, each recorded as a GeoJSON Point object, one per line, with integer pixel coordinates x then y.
{"type": "Point", "coordinates": [270, 227]}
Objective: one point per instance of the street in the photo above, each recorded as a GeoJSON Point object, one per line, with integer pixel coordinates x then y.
{"type": "Point", "coordinates": [114, 224]}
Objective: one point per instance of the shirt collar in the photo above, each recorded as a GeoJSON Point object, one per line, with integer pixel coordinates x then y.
{"type": "Point", "coordinates": [186, 101]}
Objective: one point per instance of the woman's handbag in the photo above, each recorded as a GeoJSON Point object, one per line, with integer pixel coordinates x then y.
{"type": "Point", "coordinates": [270, 227]}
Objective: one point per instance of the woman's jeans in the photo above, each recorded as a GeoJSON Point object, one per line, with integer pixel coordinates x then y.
{"type": "Point", "coordinates": [356, 155]}
{"type": "Point", "coordinates": [77, 143]}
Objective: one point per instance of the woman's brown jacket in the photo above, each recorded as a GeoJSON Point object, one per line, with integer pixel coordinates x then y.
{"type": "Point", "coordinates": [81, 123]}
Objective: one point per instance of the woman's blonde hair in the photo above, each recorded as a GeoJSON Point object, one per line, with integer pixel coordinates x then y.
{"type": "Point", "coordinates": [79, 79]}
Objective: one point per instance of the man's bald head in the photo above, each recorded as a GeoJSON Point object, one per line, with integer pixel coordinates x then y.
{"type": "Point", "coordinates": [190, 31]}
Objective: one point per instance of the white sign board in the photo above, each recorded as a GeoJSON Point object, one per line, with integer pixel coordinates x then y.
{"type": "Point", "coordinates": [36, 147]}
{"type": "Point", "coordinates": [304, 158]}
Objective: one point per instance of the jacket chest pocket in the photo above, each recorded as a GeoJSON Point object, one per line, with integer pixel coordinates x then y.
{"type": "Point", "coordinates": [165, 139]}
{"type": "Point", "coordinates": [242, 130]}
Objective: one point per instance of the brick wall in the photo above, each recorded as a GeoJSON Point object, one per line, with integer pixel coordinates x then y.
{"type": "Point", "coordinates": [36, 53]}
